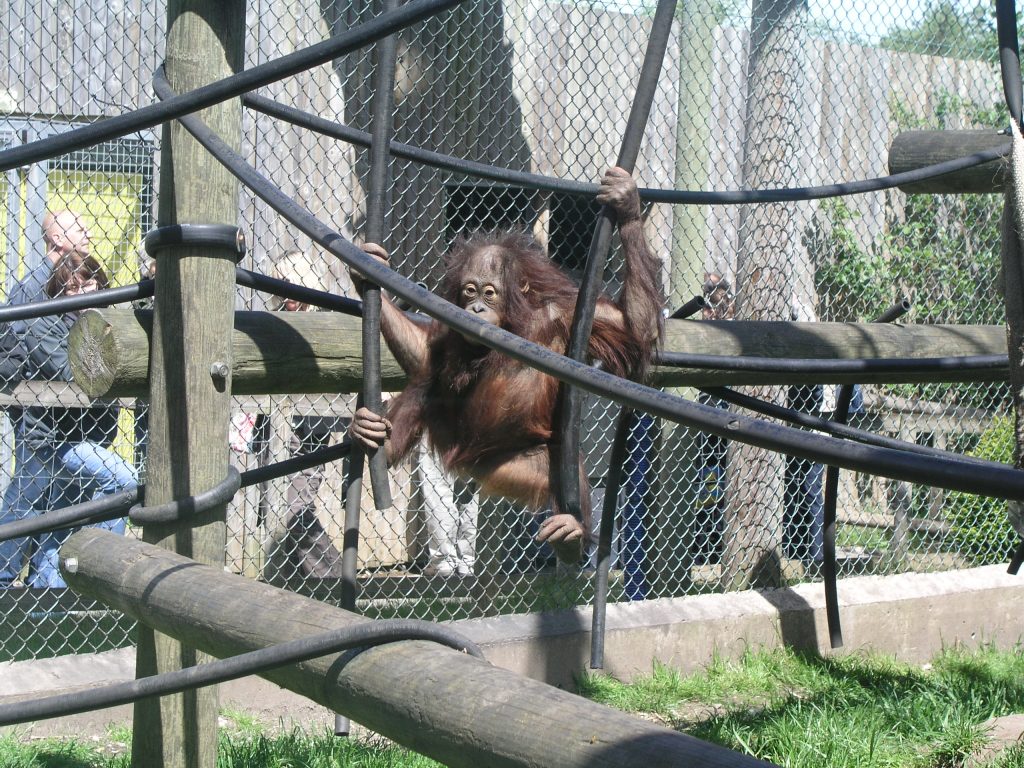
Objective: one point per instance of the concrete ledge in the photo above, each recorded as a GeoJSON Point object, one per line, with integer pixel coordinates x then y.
{"type": "Point", "coordinates": [910, 616]}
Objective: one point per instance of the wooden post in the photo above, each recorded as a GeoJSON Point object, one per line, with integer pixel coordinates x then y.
{"type": "Point", "coordinates": [911, 150]}
{"type": "Point", "coordinates": [448, 705]}
{"type": "Point", "coordinates": [316, 352]}
{"type": "Point", "coordinates": [190, 365]}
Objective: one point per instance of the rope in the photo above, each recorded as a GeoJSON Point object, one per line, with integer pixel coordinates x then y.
{"type": "Point", "coordinates": [668, 196]}
{"type": "Point", "coordinates": [230, 87]}
{"type": "Point", "coordinates": [364, 635]}
{"type": "Point", "coordinates": [117, 504]}
{"type": "Point", "coordinates": [570, 400]}
{"type": "Point", "coordinates": [989, 479]}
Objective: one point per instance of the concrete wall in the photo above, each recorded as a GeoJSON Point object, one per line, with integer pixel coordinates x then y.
{"type": "Point", "coordinates": [910, 616]}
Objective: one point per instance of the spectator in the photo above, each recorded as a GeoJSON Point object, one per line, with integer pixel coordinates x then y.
{"type": "Point", "coordinates": [307, 546]}
{"type": "Point", "coordinates": [71, 444]}
{"type": "Point", "coordinates": [64, 235]}
{"type": "Point", "coordinates": [803, 508]}
{"type": "Point", "coordinates": [709, 518]}
{"type": "Point", "coordinates": [450, 509]}
{"type": "Point", "coordinates": [147, 270]}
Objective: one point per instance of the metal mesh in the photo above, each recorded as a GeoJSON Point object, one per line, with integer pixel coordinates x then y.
{"type": "Point", "coordinates": [775, 94]}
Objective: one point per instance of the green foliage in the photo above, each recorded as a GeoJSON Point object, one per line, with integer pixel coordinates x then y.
{"type": "Point", "coordinates": [941, 251]}
{"type": "Point", "coordinates": [980, 530]}
{"type": "Point", "coordinates": [963, 30]}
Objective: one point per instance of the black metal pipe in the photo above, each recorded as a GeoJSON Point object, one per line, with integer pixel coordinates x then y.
{"type": "Point", "coordinates": [692, 307]}
{"type": "Point", "coordinates": [140, 290]}
{"type": "Point", "coordinates": [235, 85]}
{"type": "Point", "coordinates": [1017, 560]}
{"type": "Point", "coordinates": [830, 427]}
{"type": "Point", "coordinates": [377, 205]}
{"type": "Point", "coordinates": [830, 570]}
{"type": "Point", "coordinates": [287, 290]}
{"type": "Point", "coordinates": [570, 399]}
{"type": "Point", "coordinates": [668, 196]}
{"type": "Point", "coordinates": [990, 479]}
{"type": "Point", "coordinates": [234, 667]}
{"type": "Point", "coordinates": [613, 482]}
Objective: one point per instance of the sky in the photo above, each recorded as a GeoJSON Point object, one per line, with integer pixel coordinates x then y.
{"type": "Point", "coordinates": [867, 18]}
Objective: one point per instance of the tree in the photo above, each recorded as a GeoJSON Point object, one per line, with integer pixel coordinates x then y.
{"type": "Point", "coordinates": [962, 30]}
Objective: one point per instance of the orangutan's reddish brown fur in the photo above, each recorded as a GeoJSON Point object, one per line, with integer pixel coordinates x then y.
{"type": "Point", "coordinates": [489, 416]}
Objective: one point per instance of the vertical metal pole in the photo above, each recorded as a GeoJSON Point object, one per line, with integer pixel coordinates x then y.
{"type": "Point", "coordinates": [377, 205]}
{"type": "Point", "coordinates": [571, 400]}
{"type": "Point", "coordinates": [613, 484]}
{"type": "Point", "coordinates": [831, 495]}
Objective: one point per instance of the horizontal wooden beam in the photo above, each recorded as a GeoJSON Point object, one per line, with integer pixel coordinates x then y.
{"type": "Point", "coordinates": [315, 352]}
{"type": "Point", "coordinates": [447, 705]}
{"type": "Point", "coordinates": [273, 352]}
{"type": "Point", "coordinates": [911, 150]}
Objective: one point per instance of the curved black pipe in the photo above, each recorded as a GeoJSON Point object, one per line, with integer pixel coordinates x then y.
{"type": "Point", "coordinates": [830, 569]}
{"type": "Point", "coordinates": [287, 290]}
{"type": "Point", "coordinates": [1009, 56]}
{"type": "Point", "coordinates": [668, 196]}
{"type": "Point", "coordinates": [570, 400]}
{"type": "Point", "coordinates": [251, 663]}
{"type": "Point", "coordinates": [989, 479]}
{"type": "Point", "coordinates": [59, 306]}
{"type": "Point", "coordinates": [176, 510]}
{"type": "Point", "coordinates": [263, 74]}
{"type": "Point", "coordinates": [117, 504]}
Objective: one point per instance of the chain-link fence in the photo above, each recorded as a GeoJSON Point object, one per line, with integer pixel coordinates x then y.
{"type": "Point", "coordinates": [779, 94]}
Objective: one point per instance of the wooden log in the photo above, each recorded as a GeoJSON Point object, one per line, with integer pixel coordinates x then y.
{"type": "Point", "coordinates": [442, 703]}
{"type": "Point", "coordinates": [190, 382]}
{"type": "Point", "coordinates": [314, 352]}
{"type": "Point", "coordinates": [911, 150]}
{"type": "Point", "coordinates": [274, 353]}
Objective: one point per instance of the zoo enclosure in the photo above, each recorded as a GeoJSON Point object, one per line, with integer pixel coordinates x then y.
{"type": "Point", "coordinates": [546, 87]}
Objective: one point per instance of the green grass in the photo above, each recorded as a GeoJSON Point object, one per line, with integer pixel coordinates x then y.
{"type": "Point", "coordinates": [842, 712]}
{"type": "Point", "coordinates": [248, 747]}
{"type": "Point", "coordinates": [795, 710]}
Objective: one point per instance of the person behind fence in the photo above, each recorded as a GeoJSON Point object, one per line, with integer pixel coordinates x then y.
{"type": "Point", "coordinates": [308, 547]}
{"type": "Point", "coordinates": [803, 498]}
{"type": "Point", "coordinates": [72, 444]}
{"type": "Point", "coordinates": [64, 234]}
{"type": "Point", "coordinates": [450, 509]}
{"type": "Point", "coordinates": [709, 516]}
{"type": "Point", "coordinates": [147, 271]}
